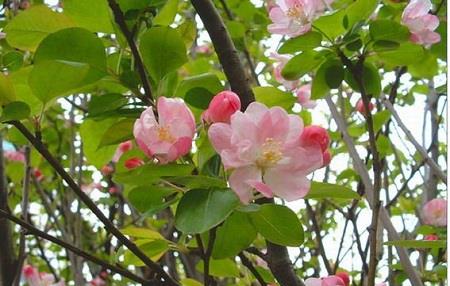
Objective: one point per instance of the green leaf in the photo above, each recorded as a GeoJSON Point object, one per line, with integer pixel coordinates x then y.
{"type": "Point", "coordinates": [104, 103]}
{"type": "Point", "coordinates": [23, 91]}
{"type": "Point", "coordinates": [330, 25]}
{"type": "Point", "coordinates": [154, 249]}
{"type": "Point", "coordinates": [301, 64]}
{"type": "Point", "coordinates": [163, 51]}
{"type": "Point", "coordinates": [360, 11]}
{"type": "Point", "coordinates": [320, 86]}
{"type": "Point", "coordinates": [220, 268]}
{"type": "Point", "coordinates": [418, 243]}
{"type": "Point", "coordinates": [166, 15]}
{"type": "Point", "coordinates": [380, 119]}
{"type": "Point", "coordinates": [7, 92]}
{"type": "Point", "coordinates": [198, 182]}
{"type": "Point", "coordinates": [206, 81]}
{"type": "Point", "coordinates": [65, 61]}
{"type": "Point", "coordinates": [405, 54]}
{"type": "Point", "coordinates": [199, 210]}
{"type": "Point", "coordinates": [371, 80]}
{"type": "Point", "coordinates": [199, 97]}
{"type": "Point", "coordinates": [190, 282]}
{"type": "Point", "coordinates": [89, 135]}
{"type": "Point", "coordinates": [148, 174]}
{"type": "Point", "coordinates": [272, 96]}
{"type": "Point", "coordinates": [118, 132]}
{"type": "Point", "coordinates": [149, 198]}
{"type": "Point", "coordinates": [188, 32]}
{"type": "Point", "coordinates": [30, 27]}
{"type": "Point", "coordinates": [139, 232]}
{"type": "Point", "coordinates": [16, 110]}
{"type": "Point", "coordinates": [278, 224]}
{"type": "Point", "coordinates": [301, 43]}
{"type": "Point", "coordinates": [330, 191]}
{"type": "Point", "coordinates": [227, 243]}
{"type": "Point", "coordinates": [12, 60]}
{"type": "Point", "coordinates": [383, 45]}
{"type": "Point", "coordinates": [388, 30]}
{"type": "Point", "coordinates": [427, 67]}
{"type": "Point", "coordinates": [92, 15]}
{"type": "Point", "coordinates": [334, 75]}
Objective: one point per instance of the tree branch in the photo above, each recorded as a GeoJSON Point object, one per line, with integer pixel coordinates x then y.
{"type": "Point", "coordinates": [161, 274]}
{"type": "Point", "coordinates": [247, 263]}
{"type": "Point", "coordinates": [225, 50]}
{"type": "Point", "coordinates": [33, 230]}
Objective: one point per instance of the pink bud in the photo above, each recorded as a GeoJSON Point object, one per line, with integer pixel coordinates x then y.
{"type": "Point", "coordinates": [122, 148]}
{"type": "Point", "coordinates": [133, 163]}
{"type": "Point", "coordinates": [434, 212]}
{"type": "Point", "coordinates": [107, 170]}
{"type": "Point", "coordinates": [431, 237]}
{"type": "Point", "coordinates": [326, 158]}
{"type": "Point", "coordinates": [361, 108]}
{"type": "Point", "coordinates": [221, 107]}
{"type": "Point", "coordinates": [28, 271]}
{"type": "Point", "coordinates": [344, 276]}
{"type": "Point", "coordinates": [315, 135]}
{"type": "Point", "coordinates": [113, 191]}
{"type": "Point", "coordinates": [38, 174]}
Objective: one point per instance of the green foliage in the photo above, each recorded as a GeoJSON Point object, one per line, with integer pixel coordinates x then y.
{"type": "Point", "coordinates": [271, 96]}
{"type": "Point", "coordinates": [326, 78]}
{"type": "Point", "coordinates": [301, 43]}
{"type": "Point", "coordinates": [330, 191]}
{"type": "Point", "coordinates": [419, 244]}
{"type": "Point", "coordinates": [199, 210]}
{"type": "Point", "coordinates": [301, 64]}
{"type": "Point", "coordinates": [92, 15]}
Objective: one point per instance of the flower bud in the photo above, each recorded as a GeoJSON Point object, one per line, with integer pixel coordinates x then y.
{"type": "Point", "coordinates": [361, 108]}
{"type": "Point", "coordinates": [133, 163]}
{"type": "Point", "coordinates": [221, 107]}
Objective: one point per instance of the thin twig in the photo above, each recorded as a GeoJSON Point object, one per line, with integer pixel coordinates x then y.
{"type": "Point", "coordinates": [247, 263]}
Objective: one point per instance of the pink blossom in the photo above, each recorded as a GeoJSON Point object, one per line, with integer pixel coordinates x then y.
{"type": "Point", "coordinates": [262, 147]}
{"type": "Point", "coordinates": [97, 281]}
{"type": "Point", "coordinates": [434, 212]}
{"type": "Point", "coordinates": [121, 149]}
{"type": "Point", "coordinates": [113, 191]}
{"type": "Point", "coordinates": [34, 278]}
{"type": "Point", "coordinates": [292, 17]}
{"type": "Point", "coordinates": [133, 163]}
{"type": "Point", "coordinates": [361, 108]}
{"type": "Point", "coordinates": [16, 156]}
{"type": "Point", "coordinates": [304, 96]}
{"type": "Point", "coordinates": [221, 107]}
{"type": "Point", "coordinates": [431, 237]}
{"type": "Point", "coordinates": [344, 276]}
{"type": "Point", "coordinates": [171, 137]}
{"type": "Point", "coordinates": [325, 281]}
{"type": "Point", "coordinates": [317, 137]}
{"type": "Point", "coordinates": [107, 170]}
{"type": "Point", "coordinates": [38, 174]}
{"type": "Point", "coordinates": [270, 4]}
{"type": "Point", "coordinates": [89, 188]}
{"type": "Point", "coordinates": [420, 23]}
{"type": "Point", "coordinates": [281, 61]}
{"type": "Point", "coordinates": [203, 49]}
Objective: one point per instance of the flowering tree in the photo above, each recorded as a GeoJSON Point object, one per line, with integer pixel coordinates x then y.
{"type": "Point", "coordinates": [173, 142]}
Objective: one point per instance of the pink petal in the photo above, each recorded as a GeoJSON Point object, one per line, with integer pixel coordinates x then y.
{"type": "Point", "coordinates": [239, 182]}
{"type": "Point", "coordinates": [219, 135]}
{"type": "Point", "coordinates": [287, 185]}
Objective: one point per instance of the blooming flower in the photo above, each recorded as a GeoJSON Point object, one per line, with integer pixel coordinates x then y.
{"type": "Point", "coordinates": [361, 108]}
{"type": "Point", "coordinates": [344, 276]}
{"type": "Point", "coordinates": [221, 107]}
{"type": "Point", "coordinates": [171, 136]}
{"type": "Point", "coordinates": [317, 137]}
{"type": "Point", "coordinates": [325, 281]}
{"type": "Point", "coordinates": [304, 96]}
{"type": "Point", "coordinates": [292, 17]}
{"type": "Point", "coordinates": [14, 156]}
{"type": "Point", "coordinates": [420, 23]}
{"type": "Point", "coordinates": [133, 163]}
{"type": "Point", "coordinates": [262, 146]}
{"type": "Point", "coordinates": [121, 149]}
{"type": "Point", "coordinates": [281, 61]}
{"type": "Point", "coordinates": [434, 212]}
{"type": "Point", "coordinates": [34, 278]}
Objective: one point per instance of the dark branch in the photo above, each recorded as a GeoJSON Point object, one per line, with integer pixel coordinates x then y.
{"type": "Point", "coordinates": [247, 263]}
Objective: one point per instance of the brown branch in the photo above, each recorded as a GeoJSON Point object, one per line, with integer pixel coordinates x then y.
{"type": "Point", "coordinates": [33, 230]}
{"type": "Point", "coordinates": [161, 274]}
{"type": "Point", "coordinates": [225, 50]}
{"type": "Point", "coordinates": [120, 20]}
{"type": "Point", "coordinates": [247, 263]}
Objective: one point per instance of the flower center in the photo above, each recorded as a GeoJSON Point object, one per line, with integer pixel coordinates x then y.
{"type": "Point", "coordinates": [165, 135]}
{"type": "Point", "coordinates": [297, 13]}
{"type": "Point", "coordinates": [270, 153]}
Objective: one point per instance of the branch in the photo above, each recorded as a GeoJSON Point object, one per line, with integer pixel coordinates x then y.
{"type": "Point", "coordinates": [212, 237]}
{"type": "Point", "coordinates": [225, 50]}
{"type": "Point", "coordinates": [364, 174]}
{"type": "Point", "coordinates": [161, 274]}
{"type": "Point", "coordinates": [433, 165]}
{"type": "Point", "coordinates": [247, 263]}
{"type": "Point", "coordinates": [33, 230]}
{"type": "Point", "coordinates": [120, 20]}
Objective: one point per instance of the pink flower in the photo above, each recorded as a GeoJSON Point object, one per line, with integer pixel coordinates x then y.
{"type": "Point", "coordinates": [97, 281]}
{"type": "Point", "coordinates": [262, 147]}
{"type": "Point", "coordinates": [113, 191]}
{"type": "Point", "coordinates": [361, 108]}
{"type": "Point", "coordinates": [434, 212]}
{"type": "Point", "coordinates": [121, 149]}
{"type": "Point", "coordinates": [317, 137]}
{"type": "Point", "coordinates": [16, 156]}
{"type": "Point", "coordinates": [133, 163]}
{"type": "Point", "coordinates": [171, 137]}
{"type": "Point", "coordinates": [89, 188]}
{"type": "Point", "coordinates": [292, 17]}
{"type": "Point", "coordinates": [107, 170]}
{"type": "Point", "coordinates": [278, 67]}
{"type": "Point", "coordinates": [203, 49]}
{"type": "Point", "coordinates": [420, 23]}
{"type": "Point", "coordinates": [38, 174]}
{"type": "Point", "coordinates": [304, 96]}
{"type": "Point", "coordinates": [34, 278]}
{"type": "Point", "coordinates": [325, 281]}
{"type": "Point", "coordinates": [221, 107]}
{"type": "Point", "coordinates": [431, 237]}
{"type": "Point", "coordinates": [270, 4]}
{"type": "Point", "coordinates": [345, 277]}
